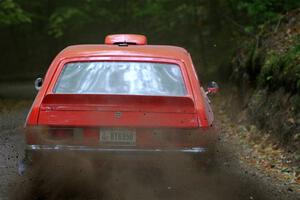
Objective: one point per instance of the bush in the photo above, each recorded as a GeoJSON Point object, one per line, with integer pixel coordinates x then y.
{"type": "Point", "coordinates": [261, 11]}
{"type": "Point", "coordinates": [282, 70]}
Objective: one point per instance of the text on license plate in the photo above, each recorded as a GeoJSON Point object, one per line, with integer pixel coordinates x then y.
{"type": "Point", "coordinates": [118, 135]}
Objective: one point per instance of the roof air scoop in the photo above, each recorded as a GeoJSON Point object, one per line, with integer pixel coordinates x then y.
{"type": "Point", "coordinates": [125, 39]}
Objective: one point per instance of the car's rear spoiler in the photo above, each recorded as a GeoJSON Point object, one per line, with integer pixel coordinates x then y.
{"type": "Point", "coordinates": [117, 111]}
{"type": "Point", "coordinates": [102, 102]}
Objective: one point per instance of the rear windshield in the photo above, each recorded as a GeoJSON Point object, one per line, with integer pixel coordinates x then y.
{"type": "Point", "coordinates": [135, 78]}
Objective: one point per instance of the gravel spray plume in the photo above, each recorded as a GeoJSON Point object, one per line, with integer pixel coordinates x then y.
{"type": "Point", "coordinates": [74, 175]}
{"type": "Point", "coordinates": [63, 176]}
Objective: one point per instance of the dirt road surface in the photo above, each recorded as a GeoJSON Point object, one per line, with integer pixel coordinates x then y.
{"type": "Point", "coordinates": [171, 177]}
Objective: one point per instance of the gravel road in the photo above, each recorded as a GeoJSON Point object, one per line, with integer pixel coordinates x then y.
{"type": "Point", "coordinates": [178, 177]}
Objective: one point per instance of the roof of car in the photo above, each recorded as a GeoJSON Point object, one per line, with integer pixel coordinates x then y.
{"type": "Point", "coordinates": [159, 51]}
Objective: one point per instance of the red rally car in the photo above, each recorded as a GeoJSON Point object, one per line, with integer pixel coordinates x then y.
{"type": "Point", "coordinates": [122, 96]}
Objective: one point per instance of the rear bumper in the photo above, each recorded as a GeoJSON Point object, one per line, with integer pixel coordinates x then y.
{"type": "Point", "coordinates": [59, 155]}
{"type": "Point", "coordinates": [41, 148]}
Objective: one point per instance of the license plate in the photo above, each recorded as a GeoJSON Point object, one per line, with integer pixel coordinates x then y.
{"type": "Point", "coordinates": [118, 136]}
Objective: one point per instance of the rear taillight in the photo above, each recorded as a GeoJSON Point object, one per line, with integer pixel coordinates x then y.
{"type": "Point", "coordinates": [183, 138]}
{"type": "Point", "coordinates": [43, 134]}
{"type": "Point", "coordinates": [90, 133]}
{"type": "Point", "coordinates": [57, 135]}
{"type": "Point", "coordinates": [60, 133]}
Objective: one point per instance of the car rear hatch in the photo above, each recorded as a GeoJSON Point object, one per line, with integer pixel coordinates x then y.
{"type": "Point", "coordinates": [77, 110]}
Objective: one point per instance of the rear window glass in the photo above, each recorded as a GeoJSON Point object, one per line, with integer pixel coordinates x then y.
{"type": "Point", "coordinates": [135, 78]}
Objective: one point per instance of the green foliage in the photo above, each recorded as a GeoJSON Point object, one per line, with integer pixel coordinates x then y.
{"type": "Point", "coordinates": [282, 70]}
{"type": "Point", "coordinates": [259, 10]}
{"type": "Point", "coordinates": [12, 14]}
{"type": "Point", "coordinates": [271, 70]}
{"type": "Point", "coordinates": [262, 11]}
{"type": "Point", "coordinates": [64, 18]}
{"type": "Point", "coordinates": [49, 26]}
{"type": "Point", "coordinates": [200, 26]}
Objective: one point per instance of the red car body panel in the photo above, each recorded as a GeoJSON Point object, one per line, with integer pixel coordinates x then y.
{"type": "Point", "coordinates": [89, 112]}
{"type": "Point", "coordinates": [99, 110]}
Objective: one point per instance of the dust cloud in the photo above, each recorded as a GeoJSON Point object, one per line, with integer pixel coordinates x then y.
{"type": "Point", "coordinates": [169, 176]}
